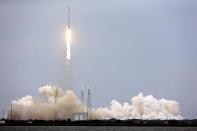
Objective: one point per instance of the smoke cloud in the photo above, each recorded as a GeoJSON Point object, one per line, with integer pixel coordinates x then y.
{"type": "Point", "coordinates": [142, 107]}
{"type": "Point", "coordinates": [67, 103]}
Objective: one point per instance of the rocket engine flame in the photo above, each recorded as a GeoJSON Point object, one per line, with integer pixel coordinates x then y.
{"type": "Point", "coordinates": [68, 42]}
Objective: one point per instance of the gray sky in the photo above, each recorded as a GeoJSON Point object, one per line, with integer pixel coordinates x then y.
{"type": "Point", "coordinates": [123, 47]}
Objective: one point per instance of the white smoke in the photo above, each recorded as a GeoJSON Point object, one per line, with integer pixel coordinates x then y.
{"type": "Point", "coordinates": [141, 107]}
{"type": "Point", "coordinates": [46, 109]}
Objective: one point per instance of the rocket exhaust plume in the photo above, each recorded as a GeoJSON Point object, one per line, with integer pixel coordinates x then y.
{"type": "Point", "coordinates": [68, 41]}
{"type": "Point", "coordinates": [56, 104]}
{"type": "Point", "coordinates": [68, 37]}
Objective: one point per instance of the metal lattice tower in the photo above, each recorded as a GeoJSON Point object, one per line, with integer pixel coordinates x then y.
{"type": "Point", "coordinates": [89, 105]}
{"type": "Point", "coordinates": [11, 112]}
{"type": "Point", "coordinates": [3, 113]}
{"type": "Point", "coordinates": [82, 92]}
{"type": "Point", "coordinates": [56, 93]}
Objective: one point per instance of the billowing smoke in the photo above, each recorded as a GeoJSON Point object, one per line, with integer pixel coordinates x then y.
{"type": "Point", "coordinates": [46, 108]}
{"type": "Point", "coordinates": [56, 104]}
{"type": "Point", "coordinates": [141, 107]}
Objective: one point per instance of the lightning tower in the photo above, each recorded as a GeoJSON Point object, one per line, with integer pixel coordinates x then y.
{"type": "Point", "coordinates": [82, 92]}
{"type": "Point", "coordinates": [11, 112]}
{"type": "Point", "coordinates": [89, 103]}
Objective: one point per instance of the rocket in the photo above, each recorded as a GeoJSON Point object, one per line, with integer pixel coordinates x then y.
{"type": "Point", "coordinates": [68, 17]}
{"type": "Point", "coordinates": [68, 37]}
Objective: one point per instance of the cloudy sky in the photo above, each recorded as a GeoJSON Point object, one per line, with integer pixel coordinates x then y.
{"type": "Point", "coordinates": [123, 47]}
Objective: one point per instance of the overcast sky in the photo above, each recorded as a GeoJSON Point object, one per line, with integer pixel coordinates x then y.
{"type": "Point", "coordinates": [123, 47]}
